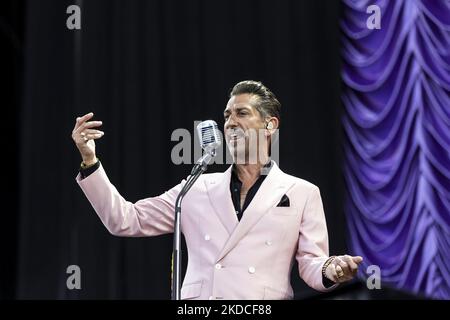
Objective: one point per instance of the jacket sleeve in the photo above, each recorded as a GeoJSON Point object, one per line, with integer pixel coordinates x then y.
{"type": "Point", "coordinates": [312, 249]}
{"type": "Point", "coordinates": [147, 217]}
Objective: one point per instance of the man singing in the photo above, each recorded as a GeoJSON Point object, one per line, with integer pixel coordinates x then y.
{"type": "Point", "coordinates": [243, 227]}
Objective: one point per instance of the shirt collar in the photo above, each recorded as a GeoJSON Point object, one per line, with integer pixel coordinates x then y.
{"type": "Point", "coordinates": [264, 170]}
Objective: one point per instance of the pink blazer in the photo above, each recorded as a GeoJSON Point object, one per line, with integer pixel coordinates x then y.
{"type": "Point", "coordinates": [228, 259]}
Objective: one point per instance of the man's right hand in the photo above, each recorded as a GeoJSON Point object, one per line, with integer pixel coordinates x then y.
{"type": "Point", "coordinates": [84, 134]}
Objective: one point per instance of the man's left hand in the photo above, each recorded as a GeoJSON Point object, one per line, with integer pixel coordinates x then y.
{"type": "Point", "coordinates": [343, 268]}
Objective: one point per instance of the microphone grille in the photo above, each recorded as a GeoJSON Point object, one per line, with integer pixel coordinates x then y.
{"type": "Point", "coordinates": [209, 135]}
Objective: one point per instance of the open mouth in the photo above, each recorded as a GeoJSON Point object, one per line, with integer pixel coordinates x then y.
{"type": "Point", "coordinates": [235, 135]}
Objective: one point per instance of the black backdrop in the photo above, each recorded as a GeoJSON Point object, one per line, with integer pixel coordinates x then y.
{"type": "Point", "coordinates": [147, 68]}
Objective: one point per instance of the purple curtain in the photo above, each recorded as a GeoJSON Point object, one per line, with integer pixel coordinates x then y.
{"type": "Point", "coordinates": [397, 141]}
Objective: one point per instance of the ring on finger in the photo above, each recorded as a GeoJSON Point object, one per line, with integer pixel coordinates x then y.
{"type": "Point", "coordinates": [84, 136]}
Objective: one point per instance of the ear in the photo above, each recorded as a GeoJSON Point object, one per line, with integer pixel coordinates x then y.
{"type": "Point", "coordinates": [271, 125]}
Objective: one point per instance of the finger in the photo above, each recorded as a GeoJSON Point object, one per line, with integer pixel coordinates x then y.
{"type": "Point", "coordinates": [90, 137]}
{"type": "Point", "coordinates": [88, 125]}
{"type": "Point", "coordinates": [352, 265]}
{"type": "Point", "coordinates": [93, 136]}
{"type": "Point", "coordinates": [343, 265]}
{"type": "Point", "coordinates": [357, 259]}
{"type": "Point", "coordinates": [90, 131]}
{"type": "Point", "coordinates": [333, 272]}
{"type": "Point", "coordinates": [339, 271]}
{"type": "Point", "coordinates": [80, 120]}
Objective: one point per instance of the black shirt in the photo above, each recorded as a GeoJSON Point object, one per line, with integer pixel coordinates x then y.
{"type": "Point", "coordinates": [236, 186]}
{"type": "Point", "coordinates": [85, 172]}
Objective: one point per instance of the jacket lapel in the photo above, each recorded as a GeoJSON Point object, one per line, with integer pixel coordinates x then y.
{"type": "Point", "coordinates": [268, 195]}
{"type": "Point", "coordinates": [219, 193]}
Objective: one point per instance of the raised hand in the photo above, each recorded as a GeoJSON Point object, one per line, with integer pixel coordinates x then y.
{"type": "Point", "coordinates": [84, 134]}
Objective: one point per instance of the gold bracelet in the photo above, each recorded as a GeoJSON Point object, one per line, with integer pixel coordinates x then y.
{"type": "Point", "coordinates": [84, 166]}
{"type": "Point", "coordinates": [326, 264]}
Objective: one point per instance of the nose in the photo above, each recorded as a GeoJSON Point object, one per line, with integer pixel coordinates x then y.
{"type": "Point", "coordinates": [231, 122]}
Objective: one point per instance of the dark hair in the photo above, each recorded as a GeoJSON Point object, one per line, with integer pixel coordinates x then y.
{"type": "Point", "coordinates": [268, 104]}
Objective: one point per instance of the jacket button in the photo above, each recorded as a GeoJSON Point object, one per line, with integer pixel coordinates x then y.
{"type": "Point", "coordinates": [218, 266]}
{"type": "Point", "coordinates": [268, 242]}
{"type": "Point", "coordinates": [251, 270]}
{"type": "Point", "coordinates": [207, 237]}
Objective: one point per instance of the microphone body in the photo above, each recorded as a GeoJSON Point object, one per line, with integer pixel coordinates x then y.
{"type": "Point", "coordinates": [209, 136]}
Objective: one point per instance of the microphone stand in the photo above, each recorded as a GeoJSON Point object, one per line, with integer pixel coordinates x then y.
{"type": "Point", "coordinates": [196, 172]}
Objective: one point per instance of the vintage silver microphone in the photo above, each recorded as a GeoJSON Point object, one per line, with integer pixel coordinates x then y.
{"type": "Point", "coordinates": [209, 136]}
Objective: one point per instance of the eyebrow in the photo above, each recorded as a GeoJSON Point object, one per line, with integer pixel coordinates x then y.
{"type": "Point", "coordinates": [227, 111]}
